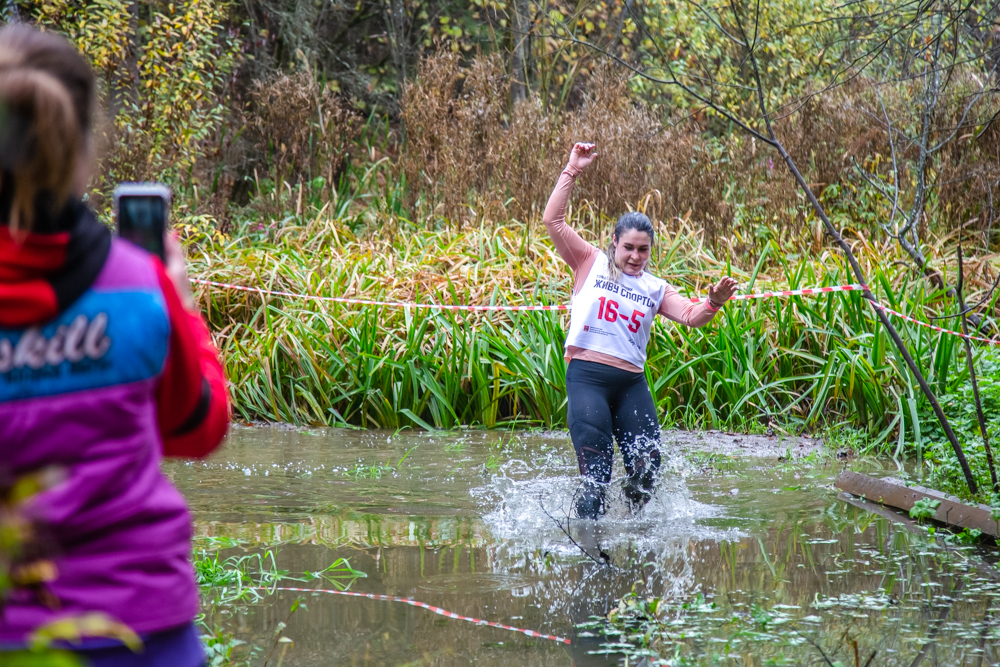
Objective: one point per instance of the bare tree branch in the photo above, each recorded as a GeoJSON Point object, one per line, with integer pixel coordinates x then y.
{"type": "Point", "coordinates": [673, 81]}
{"type": "Point", "coordinates": [821, 212]}
{"type": "Point", "coordinates": [972, 376]}
{"type": "Point", "coordinates": [566, 532]}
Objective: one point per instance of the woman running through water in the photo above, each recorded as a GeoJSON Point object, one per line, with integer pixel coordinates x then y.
{"type": "Point", "coordinates": [614, 302]}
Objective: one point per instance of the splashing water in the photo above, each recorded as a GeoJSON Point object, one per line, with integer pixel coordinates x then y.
{"type": "Point", "coordinates": [457, 521]}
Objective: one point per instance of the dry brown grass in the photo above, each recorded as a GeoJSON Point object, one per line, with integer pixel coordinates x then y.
{"type": "Point", "coordinates": [969, 196]}
{"type": "Point", "coordinates": [469, 154]}
{"type": "Point", "coordinates": [299, 130]}
{"type": "Point", "coordinates": [462, 141]}
{"type": "Point", "coordinates": [469, 157]}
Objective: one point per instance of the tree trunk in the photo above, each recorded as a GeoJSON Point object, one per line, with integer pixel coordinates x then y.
{"type": "Point", "coordinates": [396, 20]}
{"type": "Point", "coordinates": [518, 59]}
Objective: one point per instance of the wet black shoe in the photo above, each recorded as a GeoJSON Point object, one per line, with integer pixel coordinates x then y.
{"type": "Point", "coordinates": [590, 500]}
{"type": "Point", "coordinates": [638, 490]}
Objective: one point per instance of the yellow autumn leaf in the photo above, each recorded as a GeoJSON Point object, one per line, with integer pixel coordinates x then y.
{"type": "Point", "coordinates": [73, 628]}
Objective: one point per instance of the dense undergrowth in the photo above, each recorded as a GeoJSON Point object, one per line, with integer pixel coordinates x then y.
{"type": "Point", "coordinates": [420, 173]}
{"type": "Point", "coordinates": [804, 362]}
{"type": "Point", "coordinates": [943, 470]}
{"type": "Point", "coordinates": [302, 162]}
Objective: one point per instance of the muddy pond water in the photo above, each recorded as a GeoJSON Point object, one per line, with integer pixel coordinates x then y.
{"type": "Point", "coordinates": [748, 559]}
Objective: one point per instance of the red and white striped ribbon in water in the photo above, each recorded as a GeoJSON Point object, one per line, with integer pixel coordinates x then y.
{"type": "Point", "coordinates": [422, 605]}
{"type": "Point", "coordinates": [810, 291]}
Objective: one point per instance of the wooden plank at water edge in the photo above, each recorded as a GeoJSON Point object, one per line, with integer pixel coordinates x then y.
{"type": "Point", "coordinates": [896, 493]}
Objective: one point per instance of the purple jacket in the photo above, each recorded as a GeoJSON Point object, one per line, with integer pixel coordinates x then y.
{"type": "Point", "coordinates": [78, 398]}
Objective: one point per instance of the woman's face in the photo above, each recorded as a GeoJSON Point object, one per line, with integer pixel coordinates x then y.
{"type": "Point", "coordinates": [632, 251]}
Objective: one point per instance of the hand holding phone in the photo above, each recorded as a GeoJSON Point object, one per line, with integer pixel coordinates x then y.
{"type": "Point", "coordinates": [176, 266]}
{"type": "Point", "coordinates": [142, 215]}
{"type": "Point", "coordinates": [142, 212]}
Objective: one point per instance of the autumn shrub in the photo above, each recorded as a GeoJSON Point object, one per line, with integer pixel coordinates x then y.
{"type": "Point", "coordinates": [164, 69]}
{"type": "Point", "coordinates": [464, 145]}
{"type": "Point", "coordinates": [630, 144]}
{"type": "Point", "coordinates": [299, 129]}
{"type": "Point", "coordinates": [469, 149]}
{"type": "Point", "coordinates": [969, 169]}
{"type": "Point", "coordinates": [470, 152]}
{"type": "Point", "coordinates": [467, 146]}
{"type": "Point", "coordinates": [962, 170]}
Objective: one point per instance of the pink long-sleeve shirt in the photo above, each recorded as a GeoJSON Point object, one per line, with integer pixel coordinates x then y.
{"type": "Point", "coordinates": [581, 256]}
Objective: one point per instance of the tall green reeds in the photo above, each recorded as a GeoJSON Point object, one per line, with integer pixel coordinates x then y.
{"type": "Point", "coordinates": [800, 362]}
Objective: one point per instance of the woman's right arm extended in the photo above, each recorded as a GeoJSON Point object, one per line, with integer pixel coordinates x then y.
{"type": "Point", "coordinates": [571, 247]}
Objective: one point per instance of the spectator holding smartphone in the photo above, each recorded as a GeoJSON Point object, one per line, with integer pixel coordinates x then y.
{"type": "Point", "coordinates": [105, 367]}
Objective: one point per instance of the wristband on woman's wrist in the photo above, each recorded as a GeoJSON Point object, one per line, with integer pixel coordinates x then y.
{"type": "Point", "coordinates": [713, 305]}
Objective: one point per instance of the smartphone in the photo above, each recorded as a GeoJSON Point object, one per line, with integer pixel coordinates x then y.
{"type": "Point", "coordinates": [142, 214]}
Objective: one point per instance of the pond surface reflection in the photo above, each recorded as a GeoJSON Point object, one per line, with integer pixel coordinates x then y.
{"type": "Point", "coordinates": [748, 558]}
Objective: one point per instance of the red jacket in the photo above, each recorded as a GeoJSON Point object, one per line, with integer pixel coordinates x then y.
{"type": "Point", "coordinates": [102, 372]}
{"type": "Point", "coordinates": [43, 275]}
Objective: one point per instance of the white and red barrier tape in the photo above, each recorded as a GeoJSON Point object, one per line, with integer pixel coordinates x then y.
{"type": "Point", "coordinates": [369, 302]}
{"type": "Point", "coordinates": [790, 292]}
{"type": "Point", "coordinates": [422, 605]}
{"type": "Point", "coordinates": [811, 291]}
{"type": "Point", "coordinates": [441, 306]}
{"type": "Point", "coordinates": [991, 341]}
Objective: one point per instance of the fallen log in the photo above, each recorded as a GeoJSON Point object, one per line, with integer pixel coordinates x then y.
{"type": "Point", "coordinates": [896, 493]}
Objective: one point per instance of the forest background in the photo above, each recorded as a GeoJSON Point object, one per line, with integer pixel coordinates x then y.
{"type": "Point", "coordinates": [404, 149]}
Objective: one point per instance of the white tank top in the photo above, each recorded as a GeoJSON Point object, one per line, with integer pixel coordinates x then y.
{"type": "Point", "coordinates": [615, 318]}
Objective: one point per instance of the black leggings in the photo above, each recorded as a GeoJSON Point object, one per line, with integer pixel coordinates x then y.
{"type": "Point", "coordinates": [608, 404]}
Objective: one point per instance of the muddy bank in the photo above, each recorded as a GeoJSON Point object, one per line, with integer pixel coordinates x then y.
{"type": "Point", "coordinates": [741, 445]}
{"type": "Point", "coordinates": [711, 442]}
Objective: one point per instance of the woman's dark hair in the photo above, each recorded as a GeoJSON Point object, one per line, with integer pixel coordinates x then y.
{"type": "Point", "coordinates": [46, 106]}
{"type": "Point", "coordinates": [631, 220]}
